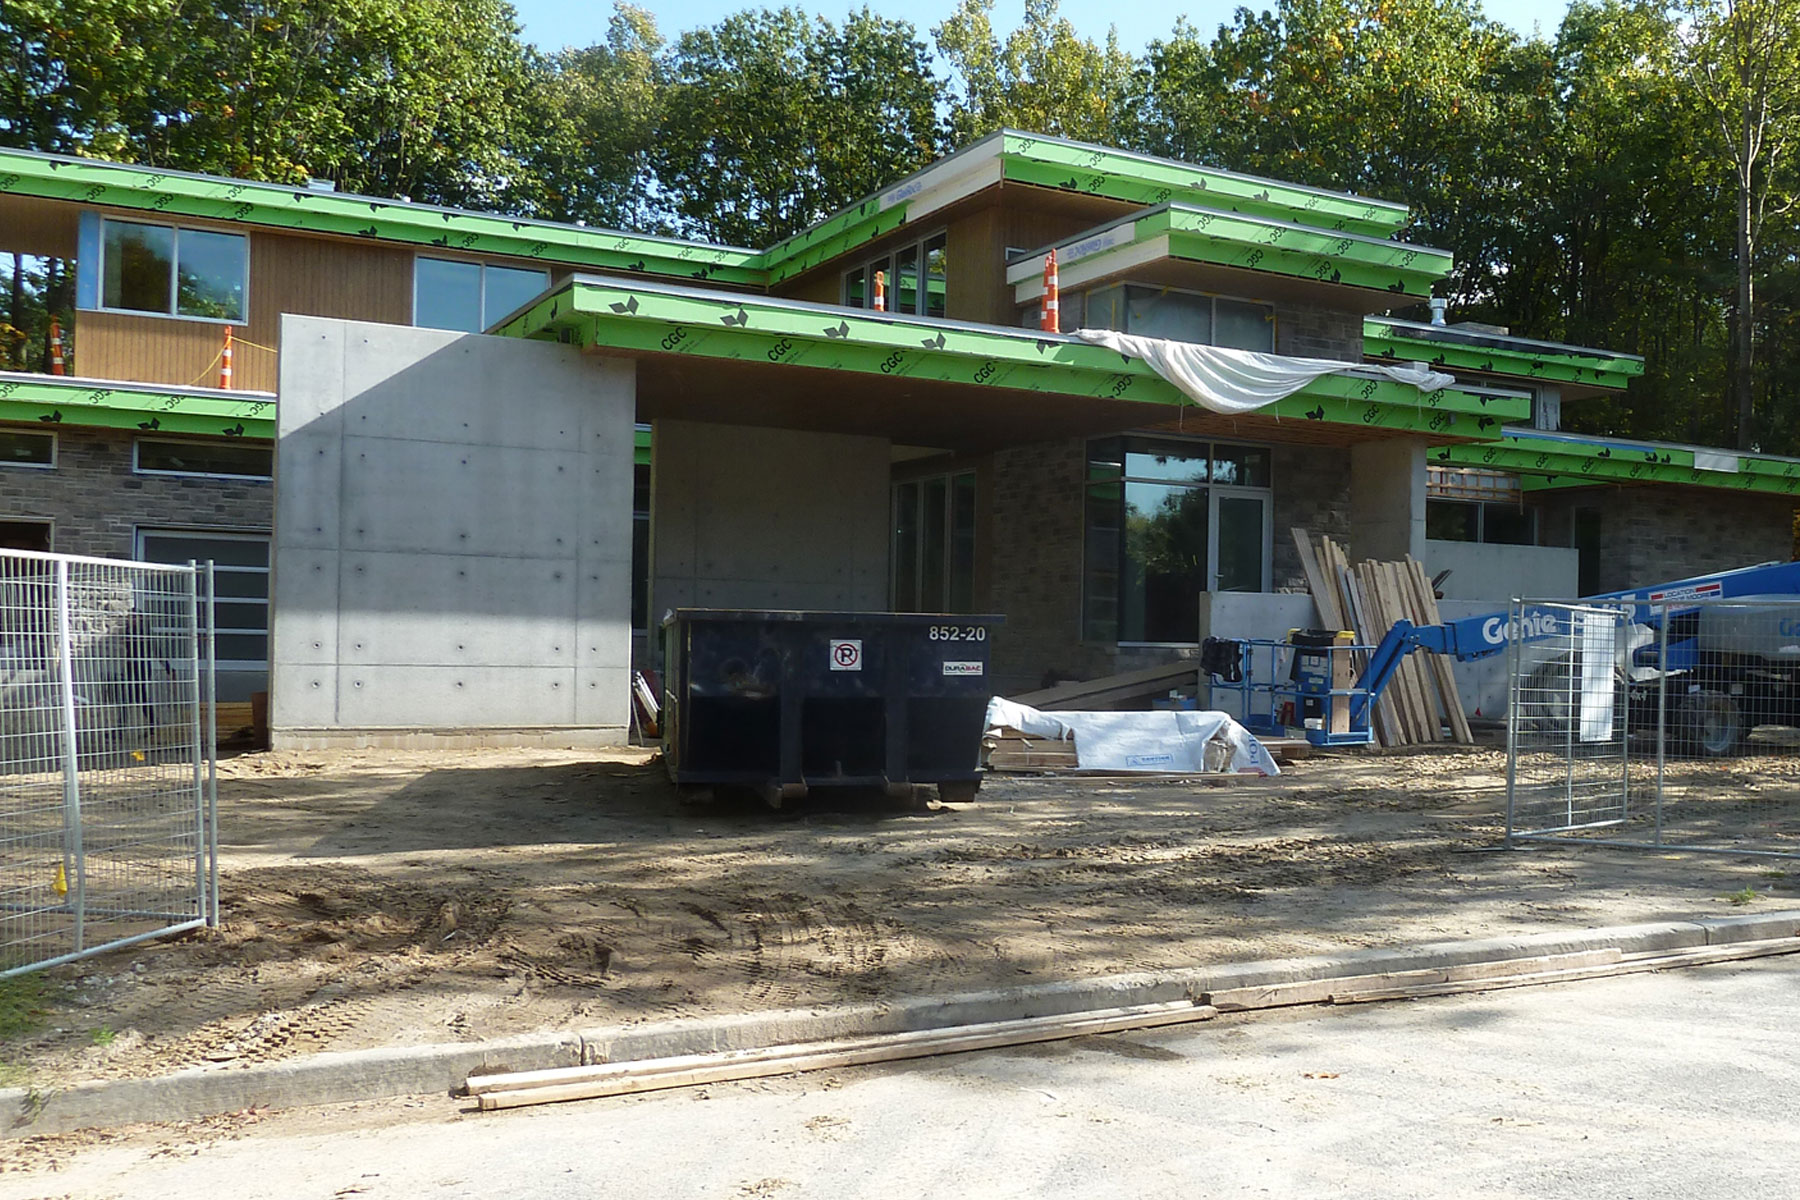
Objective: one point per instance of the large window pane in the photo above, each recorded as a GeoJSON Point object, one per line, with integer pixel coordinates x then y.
{"type": "Point", "coordinates": [903, 295]}
{"type": "Point", "coordinates": [933, 528]}
{"type": "Point", "coordinates": [1452, 521]}
{"type": "Point", "coordinates": [906, 547]}
{"type": "Point", "coordinates": [937, 277]}
{"type": "Point", "coordinates": [1244, 466]}
{"type": "Point", "coordinates": [447, 295]}
{"type": "Point", "coordinates": [1178, 316]}
{"type": "Point", "coordinates": [210, 274]}
{"type": "Point", "coordinates": [140, 261]}
{"type": "Point", "coordinates": [1165, 563]}
{"type": "Point", "coordinates": [249, 459]}
{"type": "Point", "coordinates": [1241, 543]}
{"type": "Point", "coordinates": [1105, 308]}
{"type": "Point", "coordinates": [27, 449]}
{"type": "Point", "coordinates": [1244, 326]}
{"type": "Point", "coordinates": [1508, 525]}
{"type": "Point", "coordinates": [962, 543]}
{"type": "Point", "coordinates": [1183, 462]}
{"type": "Point", "coordinates": [1100, 563]}
{"type": "Point", "coordinates": [506, 288]}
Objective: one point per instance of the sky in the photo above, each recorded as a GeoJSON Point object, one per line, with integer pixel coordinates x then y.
{"type": "Point", "coordinates": [553, 24]}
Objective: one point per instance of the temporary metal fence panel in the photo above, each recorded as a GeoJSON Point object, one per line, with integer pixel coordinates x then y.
{"type": "Point", "coordinates": [107, 756]}
{"type": "Point", "coordinates": [1702, 737]}
{"type": "Point", "coordinates": [1569, 755]}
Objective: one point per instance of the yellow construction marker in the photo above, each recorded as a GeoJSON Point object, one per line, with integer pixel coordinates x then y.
{"type": "Point", "coordinates": [62, 881]}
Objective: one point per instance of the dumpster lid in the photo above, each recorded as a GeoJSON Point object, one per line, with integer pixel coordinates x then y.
{"type": "Point", "coordinates": [835, 618]}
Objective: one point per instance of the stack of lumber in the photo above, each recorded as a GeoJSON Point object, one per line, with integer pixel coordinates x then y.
{"type": "Point", "coordinates": [1421, 704]}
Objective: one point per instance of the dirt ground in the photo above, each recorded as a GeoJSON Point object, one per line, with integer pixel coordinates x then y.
{"type": "Point", "coordinates": [393, 899]}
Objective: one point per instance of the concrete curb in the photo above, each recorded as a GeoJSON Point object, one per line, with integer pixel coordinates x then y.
{"type": "Point", "coordinates": [418, 1070]}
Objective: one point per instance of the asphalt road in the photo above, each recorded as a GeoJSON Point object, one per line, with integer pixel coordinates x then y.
{"type": "Point", "coordinates": [1684, 1084]}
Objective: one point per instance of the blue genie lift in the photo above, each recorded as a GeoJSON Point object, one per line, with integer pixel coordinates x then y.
{"type": "Point", "coordinates": [1727, 679]}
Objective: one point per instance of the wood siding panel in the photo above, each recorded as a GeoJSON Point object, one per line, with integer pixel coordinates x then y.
{"type": "Point", "coordinates": [975, 254]}
{"type": "Point", "coordinates": [288, 274]}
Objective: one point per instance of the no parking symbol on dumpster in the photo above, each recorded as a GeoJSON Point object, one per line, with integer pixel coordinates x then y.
{"type": "Point", "coordinates": [846, 654]}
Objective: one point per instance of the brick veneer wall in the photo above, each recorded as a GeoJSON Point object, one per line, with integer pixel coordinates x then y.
{"type": "Point", "coordinates": [1655, 534]}
{"type": "Point", "coordinates": [1308, 332]}
{"type": "Point", "coordinates": [97, 502]}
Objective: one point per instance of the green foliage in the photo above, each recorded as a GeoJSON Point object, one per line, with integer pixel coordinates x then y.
{"type": "Point", "coordinates": [1043, 77]}
{"type": "Point", "coordinates": [24, 1003]}
{"type": "Point", "coordinates": [1747, 895]}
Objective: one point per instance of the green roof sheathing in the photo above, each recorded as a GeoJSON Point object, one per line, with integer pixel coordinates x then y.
{"type": "Point", "coordinates": [51, 400]}
{"type": "Point", "coordinates": [636, 316]}
{"type": "Point", "coordinates": [1555, 460]}
{"type": "Point", "coordinates": [176, 193]}
{"type": "Point", "coordinates": [1456, 349]}
{"type": "Point", "coordinates": [1183, 231]}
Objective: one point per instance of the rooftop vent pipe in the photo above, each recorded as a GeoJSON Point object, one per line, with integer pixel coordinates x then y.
{"type": "Point", "coordinates": [1438, 305]}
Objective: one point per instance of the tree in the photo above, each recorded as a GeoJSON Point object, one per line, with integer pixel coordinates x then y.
{"type": "Point", "coordinates": [1044, 77]}
{"type": "Point", "coordinates": [773, 120]}
{"type": "Point", "coordinates": [1743, 59]}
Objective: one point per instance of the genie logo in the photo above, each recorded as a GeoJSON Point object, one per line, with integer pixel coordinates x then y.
{"type": "Point", "coordinates": [1495, 630]}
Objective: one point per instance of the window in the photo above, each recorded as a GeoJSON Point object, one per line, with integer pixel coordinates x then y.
{"type": "Point", "coordinates": [1473, 521]}
{"type": "Point", "coordinates": [907, 290]}
{"type": "Point", "coordinates": [1166, 520]}
{"type": "Point", "coordinates": [1466, 504]}
{"type": "Point", "coordinates": [933, 549]}
{"type": "Point", "coordinates": [467, 296]}
{"type": "Point", "coordinates": [25, 535]}
{"type": "Point", "coordinates": [172, 271]}
{"type": "Point", "coordinates": [235, 460]}
{"type": "Point", "coordinates": [640, 546]}
{"type": "Point", "coordinates": [1166, 313]}
{"type": "Point", "coordinates": [240, 585]}
{"type": "Point", "coordinates": [21, 449]}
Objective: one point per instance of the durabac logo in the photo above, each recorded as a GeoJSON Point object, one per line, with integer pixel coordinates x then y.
{"type": "Point", "coordinates": [1531, 625]}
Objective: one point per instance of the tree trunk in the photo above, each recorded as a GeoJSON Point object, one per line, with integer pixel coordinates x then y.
{"type": "Point", "coordinates": [1746, 300]}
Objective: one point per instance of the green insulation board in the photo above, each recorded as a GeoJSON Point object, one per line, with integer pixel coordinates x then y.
{"type": "Point", "coordinates": [50, 400]}
{"type": "Point", "coordinates": [1142, 179]}
{"type": "Point", "coordinates": [650, 318]}
{"type": "Point", "coordinates": [1562, 462]}
{"type": "Point", "coordinates": [1527, 360]}
{"type": "Point", "coordinates": [178, 194]}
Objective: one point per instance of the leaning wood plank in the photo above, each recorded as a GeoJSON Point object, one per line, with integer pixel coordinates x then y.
{"type": "Point", "coordinates": [1320, 991]}
{"type": "Point", "coordinates": [1387, 711]}
{"type": "Point", "coordinates": [1428, 608]}
{"type": "Point", "coordinates": [1145, 682]}
{"type": "Point", "coordinates": [820, 1056]}
{"type": "Point", "coordinates": [1411, 726]}
{"type": "Point", "coordinates": [1429, 728]}
{"type": "Point", "coordinates": [1634, 966]}
{"type": "Point", "coordinates": [1324, 596]}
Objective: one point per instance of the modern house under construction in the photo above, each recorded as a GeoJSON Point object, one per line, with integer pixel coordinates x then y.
{"type": "Point", "coordinates": [480, 455]}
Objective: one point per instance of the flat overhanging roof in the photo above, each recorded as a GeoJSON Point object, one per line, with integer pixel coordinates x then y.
{"type": "Point", "coordinates": [1562, 460]}
{"type": "Point", "coordinates": [1584, 370]}
{"type": "Point", "coordinates": [719, 356]}
{"type": "Point", "coordinates": [1329, 262]}
{"type": "Point", "coordinates": [51, 400]}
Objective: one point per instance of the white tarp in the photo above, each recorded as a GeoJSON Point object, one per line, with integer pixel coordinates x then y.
{"type": "Point", "coordinates": [1240, 381]}
{"type": "Point", "coordinates": [1140, 741]}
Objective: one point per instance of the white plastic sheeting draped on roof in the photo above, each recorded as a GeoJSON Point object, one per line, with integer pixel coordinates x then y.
{"type": "Point", "coordinates": [1139, 741]}
{"type": "Point", "coordinates": [1241, 381]}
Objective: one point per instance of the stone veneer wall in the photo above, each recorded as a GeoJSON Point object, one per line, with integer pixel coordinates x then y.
{"type": "Point", "coordinates": [1656, 534]}
{"type": "Point", "coordinates": [1312, 492]}
{"type": "Point", "coordinates": [97, 502]}
{"type": "Point", "coordinates": [1307, 332]}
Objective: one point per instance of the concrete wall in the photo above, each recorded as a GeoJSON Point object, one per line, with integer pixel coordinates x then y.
{"type": "Point", "coordinates": [1387, 499]}
{"type": "Point", "coordinates": [766, 518]}
{"type": "Point", "coordinates": [452, 539]}
{"type": "Point", "coordinates": [1482, 572]}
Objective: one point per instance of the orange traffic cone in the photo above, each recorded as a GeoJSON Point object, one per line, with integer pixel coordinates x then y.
{"type": "Point", "coordinates": [1050, 321]}
{"type": "Point", "coordinates": [56, 347]}
{"type": "Point", "coordinates": [881, 291]}
{"type": "Point", "coordinates": [225, 361]}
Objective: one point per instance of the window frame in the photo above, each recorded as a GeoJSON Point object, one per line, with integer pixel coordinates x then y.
{"type": "Point", "coordinates": [1481, 505]}
{"type": "Point", "coordinates": [482, 265]}
{"type": "Point", "coordinates": [55, 451]}
{"type": "Point", "coordinates": [171, 313]}
{"type": "Point", "coordinates": [950, 478]}
{"type": "Point", "coordinates": [138, 468]}
{"type": "Point", "coordinates": [888, 261]}
{"type": "Point", "coordinates": [1029, 313]}
{"type": "Point", "coordinates": [266, 601]}
{"type": "Point", "coordinates": [1215, 492]}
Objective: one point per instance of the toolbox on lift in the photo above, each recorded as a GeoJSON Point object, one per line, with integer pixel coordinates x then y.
{"type": "Point", "coordinates": [783, 701]}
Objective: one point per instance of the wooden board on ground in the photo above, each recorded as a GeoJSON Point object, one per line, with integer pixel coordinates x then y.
{"type": "Point", "coordinates": [1108, 690]}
